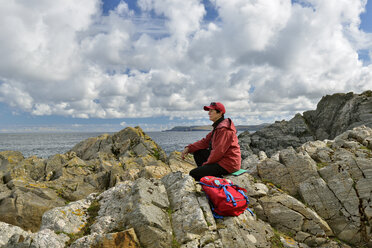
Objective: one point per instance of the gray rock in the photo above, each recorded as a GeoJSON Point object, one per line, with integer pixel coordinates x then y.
{"type": "Point", "coordinates": [141, 205]}
{"type": "Point", "coordinates": [67, 219]}
{"type": "Point", "coordinates": [277, 136]}
{"type": "Point", "coordinates": [292, 169]}
{"type": "Point", "coordinates": [340, 112]}
{"type": "Point", "coordinates": [291, 216]}
{"type": "Point", "coordinates": [7, 231]}
{"type": "Point", "coordinates": [42, 239]}
{"type": "Point", "coordinates": [334, 115]}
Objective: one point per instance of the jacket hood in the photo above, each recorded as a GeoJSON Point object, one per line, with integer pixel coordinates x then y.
{"type": "Point", "coordinates": [227, 123]}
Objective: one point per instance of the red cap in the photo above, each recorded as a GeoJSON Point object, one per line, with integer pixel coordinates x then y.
{"type": "Point", "coordinates": [215, 105]}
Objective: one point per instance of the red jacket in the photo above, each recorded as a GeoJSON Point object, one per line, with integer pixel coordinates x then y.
{"type": "Point", "coordinates": [225, 148]}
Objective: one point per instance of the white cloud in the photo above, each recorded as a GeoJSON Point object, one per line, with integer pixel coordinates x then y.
{"type": "Point", "coordinates": [264, 59]}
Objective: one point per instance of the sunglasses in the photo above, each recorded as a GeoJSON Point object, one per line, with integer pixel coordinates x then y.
{"type": "Point", "coordinates": [213, 104]}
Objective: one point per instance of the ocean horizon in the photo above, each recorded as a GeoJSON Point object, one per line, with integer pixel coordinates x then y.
{"type": "Point", "coordinates": [46, 144]}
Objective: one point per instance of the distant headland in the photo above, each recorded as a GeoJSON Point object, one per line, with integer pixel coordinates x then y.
{"type": "Point", "coordinates": [252, 128]}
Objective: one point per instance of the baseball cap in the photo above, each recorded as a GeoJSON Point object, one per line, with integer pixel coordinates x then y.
{"type": "Point", "coordinates": [216, 105]}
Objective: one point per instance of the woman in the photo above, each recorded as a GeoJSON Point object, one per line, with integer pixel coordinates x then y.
{"type": "Point", "coordinates": [219, 152]}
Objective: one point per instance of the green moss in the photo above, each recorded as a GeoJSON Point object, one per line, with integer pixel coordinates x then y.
{"type": "Point", "coordinates": [156, 153]}
{"type": "Point", "coordinates": [364, 148]}
{"type": "Point", "coordinates": [170, 212]}
{"type": "Point", "coordinates": [321, 165]}
{"type": "Point", "coordinates": [93, 213]}
{"type": "Point", "coordinates": [275, 240]}
{"type": "Point", "coordinates": [175, 243]}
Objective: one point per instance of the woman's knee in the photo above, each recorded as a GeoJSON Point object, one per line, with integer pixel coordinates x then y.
{"type": "Point", "coordinates": [193, 173]}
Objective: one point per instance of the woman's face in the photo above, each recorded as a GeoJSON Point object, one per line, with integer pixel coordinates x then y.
{"type": "Point", "coordinates": [213, 115]}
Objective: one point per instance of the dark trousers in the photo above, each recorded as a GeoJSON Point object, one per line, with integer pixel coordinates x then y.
{"type": "Point", "coordinates": [200, 157]}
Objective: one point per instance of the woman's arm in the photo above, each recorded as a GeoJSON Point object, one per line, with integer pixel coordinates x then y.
{"type": "Point", "coordinates": [220, 144]}
{"type": "Point", "coordinates": [201, 144]}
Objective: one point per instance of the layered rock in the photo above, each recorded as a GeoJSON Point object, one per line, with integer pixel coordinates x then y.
{"type": "Point", "coordinates": [333, 177]}
{"type": "Point", "coordinates": [334, 115]}
{"type": "Point", "coordinates": [122, 191]}
{"type": "Point", "coordinates": [31, 186]}
{"type": "Point", "coordinates": [174, 212]}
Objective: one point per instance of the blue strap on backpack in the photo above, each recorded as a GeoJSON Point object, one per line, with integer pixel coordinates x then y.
{"type": "Point", "coordinates": [229, 197]}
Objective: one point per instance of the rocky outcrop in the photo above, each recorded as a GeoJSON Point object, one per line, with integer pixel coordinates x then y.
{"type": "Point", "coordinates": [334, 115]}
{"type": "Point", "coordinates": [100, 194]}
{"type": "Point", "coordinates": [333, 177]}
{"type": "Point", "coordinates": [340, 112]}
{"type": "Point", "coordinates": [174, 212]}
{"type": "Point", "coordinates": [31, 186]}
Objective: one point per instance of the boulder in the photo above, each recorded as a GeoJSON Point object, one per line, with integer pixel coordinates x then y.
{"type": "Point", "coordinates": [289, 215]}
{"type": "Point", "coordinates": [128, 142]}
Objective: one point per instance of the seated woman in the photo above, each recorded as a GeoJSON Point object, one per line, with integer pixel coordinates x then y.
{"type": "Point", "coordinates": [219, 152]}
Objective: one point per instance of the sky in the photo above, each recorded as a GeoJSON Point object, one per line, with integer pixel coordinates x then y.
{"type": "Point", "coordinates": [93, 65]}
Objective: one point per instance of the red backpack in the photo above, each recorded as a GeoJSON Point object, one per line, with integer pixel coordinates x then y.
{"type": "Point", "coordinates": [226, 198]}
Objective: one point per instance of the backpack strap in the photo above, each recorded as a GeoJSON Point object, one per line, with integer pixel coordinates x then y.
{"type": "Point", "coordinates": [229, 196]}
{"type": "Point", "coordinates": [208, 185]}
{"type": "Point", "coordinates": [246, 198]}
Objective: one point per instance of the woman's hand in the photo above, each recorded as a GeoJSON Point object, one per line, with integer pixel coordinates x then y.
{"type": "Point", "coordinates": [185, 152]}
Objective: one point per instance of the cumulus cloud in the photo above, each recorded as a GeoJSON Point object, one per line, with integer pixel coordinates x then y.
{"type": "Point", "coordinates": [264, 59]}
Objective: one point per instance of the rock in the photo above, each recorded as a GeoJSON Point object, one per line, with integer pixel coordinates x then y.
{"type": "Point", "coordinates": [291, 216]}
{"type": "Point", "coordinates": [276, 173]}
{"type": "Point", "coordinates": [127, 239]}
{"type": "Point", "coordinates": [7, 231]}
{"type": "Point", "coordinates": [292, 169]}
{"type": "Point", "coordinates": [245, 231]}
{"type": "Point", "coordinates": [31, 186]}
{"type": "Point", "coordinates": [334, 115]}
{"type": "Point", "coordinates": [67, 219]}
{"type": "Point", "coordinates": [277, 136]}
{"type": "Point", "coordinates": [9, 159]}
{"type": "Point", "coordinates": [143, 199]}
{"type": "Point", "coordinates": [340, 112]}
{"type": "Point", "coordinates": [176, 163]}
{"type": "Point", "coordinates": [244, 142]}
{"type": "Point", "coordinates": [142, 205]}
{"type": "Point", "coordinates": [129, 141]}
{"type": "Point", "coordinates": [26, 203]}
{"type": "Point", "coordinates": [333, 177]}
{"type": "Point", "coordinates": [42, 239]}
{"type": "Point", "coordinates": [250, 164]}
{"type": "Point", "coordinates": [173, 212]}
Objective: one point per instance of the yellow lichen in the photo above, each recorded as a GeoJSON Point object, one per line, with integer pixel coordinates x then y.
{"type": "Point", "coordinates": [38, 185]}
{"type": "Point", "coordinates": [77, 212]}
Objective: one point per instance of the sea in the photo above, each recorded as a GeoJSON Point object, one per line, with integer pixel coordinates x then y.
{"type": "Point", "coordinates": [44, 145]}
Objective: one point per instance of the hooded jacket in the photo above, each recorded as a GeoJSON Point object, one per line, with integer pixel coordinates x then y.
{"type": "Point", "coordinates": [225, 147]}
